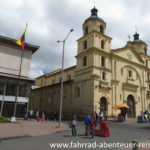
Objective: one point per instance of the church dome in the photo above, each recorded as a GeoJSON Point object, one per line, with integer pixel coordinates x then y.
{"type": "Point", "coordinates": [137, 39]}
{"type": "Point", "coordinates": [94, 15]}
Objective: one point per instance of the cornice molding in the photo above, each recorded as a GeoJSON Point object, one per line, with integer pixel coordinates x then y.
{"type": "Point", "coordinates": [93, 32]}
{"type": "Point", "coordinates": [129, 85]}
{"type": "Point", "coordinates": [132, 49]}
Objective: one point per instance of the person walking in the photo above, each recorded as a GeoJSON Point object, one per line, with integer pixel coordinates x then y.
{"type": "Point", "coordinates": [123, 115]}
{"type": "Point", "coordinates": [101, 115]}
{"type": "Point", "coordinates": [25, 115]}
{"type": "Point", "coordinates": [96, 116]}
{"type": "Point", "coordinates": [43, 116]}
{"type": "Point", "coordinates": [37, 115]}
{"type": "Point", "coordinates": [74, 125]}
{"type": "Point", "coordinates": [31, 114]}
{"type": "Point", "coordinates": [146, 114]}
{"type": "Point", "coordinates": [105, 115]}
{"type": "Point", "coordinates": [92, 124]}
{"type": "Point", "coordinates": [55, 116]}
{"type": "Point", "coordinates": [87, 124]}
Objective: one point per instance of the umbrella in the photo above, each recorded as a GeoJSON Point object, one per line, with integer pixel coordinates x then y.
{"type": "Point", "coordinates": [120, 106]}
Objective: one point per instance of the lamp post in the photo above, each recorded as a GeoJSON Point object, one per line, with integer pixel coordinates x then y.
{"type": "Point", "coordinates": [62, 71]}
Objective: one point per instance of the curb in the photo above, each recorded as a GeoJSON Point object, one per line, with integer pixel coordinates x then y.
{"type": "Point", "coordinates": [15, 137]}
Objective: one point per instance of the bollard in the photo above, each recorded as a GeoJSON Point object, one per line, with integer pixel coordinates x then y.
{"type": "Point", "coordinates": [135, 145]}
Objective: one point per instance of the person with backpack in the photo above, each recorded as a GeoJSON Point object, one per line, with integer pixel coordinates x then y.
{"type": "Point", "coordinates": [74, 125]}
{"type": "Point", "coordinates": [146, 114]}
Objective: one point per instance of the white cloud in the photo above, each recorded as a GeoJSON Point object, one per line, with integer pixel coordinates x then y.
{"type": "Point", "coordinates": [50, 20]}
{"type": "Point", "coordinates": [146, 20]}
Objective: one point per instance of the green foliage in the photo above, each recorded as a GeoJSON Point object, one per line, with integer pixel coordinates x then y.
{"type": "Point", "coordinates": [3, 119]}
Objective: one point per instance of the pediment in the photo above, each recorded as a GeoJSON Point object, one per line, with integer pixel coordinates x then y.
{"type": "Point", "coordinates": [128, 53]}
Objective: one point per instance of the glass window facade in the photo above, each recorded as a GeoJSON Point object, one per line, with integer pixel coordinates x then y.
{"type": "Point", "coordinates": [11, 88]}
{"type": "Point", "coordinates": [24, 87]}
{"type": "Point", "coordinates": [2, 84]}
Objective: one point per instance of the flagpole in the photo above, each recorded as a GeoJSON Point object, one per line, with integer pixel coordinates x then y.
{"type": "Point", "coordinates": [28, 103]}
{"type": "Point", "coordinates": [18, 83]}
{"type": "Point", "coordinates": [2, 105]}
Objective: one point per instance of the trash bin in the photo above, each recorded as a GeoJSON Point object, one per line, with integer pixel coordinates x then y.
{"type": "Point", "coordinates": [97, 128]}
{"type": "Point", "coordinates": [102, 129]}
{"type": "Point", "coordinates": [140, 119]}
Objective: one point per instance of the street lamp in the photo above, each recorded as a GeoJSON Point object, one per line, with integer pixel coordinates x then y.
{"type": "Point", "coordinates": [62, 71]}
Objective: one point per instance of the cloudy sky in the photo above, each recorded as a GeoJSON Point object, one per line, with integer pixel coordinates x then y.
{"type": "Point", "coordinates": [51, 20]}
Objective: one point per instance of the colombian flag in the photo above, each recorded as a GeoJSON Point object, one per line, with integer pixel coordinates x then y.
{"type": "Point", "coordinates": [21, 41]}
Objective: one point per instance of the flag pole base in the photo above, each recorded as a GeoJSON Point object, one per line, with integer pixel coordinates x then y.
{"type": "Point", "coordinates": [13, 119]}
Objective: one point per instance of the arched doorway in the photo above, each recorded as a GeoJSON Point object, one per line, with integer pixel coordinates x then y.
{"type": "Point", "coordinates": [131, 104]}
{"type": "Point", "coordinates": [103, 103]}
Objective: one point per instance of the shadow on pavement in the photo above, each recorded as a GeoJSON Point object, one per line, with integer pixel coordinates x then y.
{"type": "Point", "coordinates": [145, 128]}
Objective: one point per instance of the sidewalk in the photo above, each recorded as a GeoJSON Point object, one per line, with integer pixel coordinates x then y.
{"type": "Point", "coordinates": [128, 120]}
{"type": "Point", "coordinates": [29, 128]}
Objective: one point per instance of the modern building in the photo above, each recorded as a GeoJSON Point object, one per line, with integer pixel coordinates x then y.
{"type": "Point", "coordinates": [10, 60]}
{"type": "Point", "coordinates": [103, 77]}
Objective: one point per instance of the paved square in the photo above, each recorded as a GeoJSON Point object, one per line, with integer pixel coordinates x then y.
{"type": "Point", "coordinates": [120, 132]}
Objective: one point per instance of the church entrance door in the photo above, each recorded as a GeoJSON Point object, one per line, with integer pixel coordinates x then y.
{"type": "Point", "coordinates": [131, 104]}
{"type": "Point", "coordinates": [103, 104]}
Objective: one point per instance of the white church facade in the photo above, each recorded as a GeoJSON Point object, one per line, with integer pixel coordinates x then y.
{"type": "Point", "coordinates": [102, 76]}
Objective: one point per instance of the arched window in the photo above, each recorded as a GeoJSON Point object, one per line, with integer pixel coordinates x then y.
{"type": "Point", "coordinates": [103, 61]}
{"type": "Point", "coordinates": [103, 76]}
{"type": "Point", "coordinates": [85, 44]}
{"type": "Point", "coordinates": [86, 30]}
{"type": "Point", "coordinates": [84, 61]}
{"type": "Point", "coordinates": [130, 73]}
{"type": "Point", "coordinates": [101, 29]}
{"type": "Point", "coordinates": [102, 44]}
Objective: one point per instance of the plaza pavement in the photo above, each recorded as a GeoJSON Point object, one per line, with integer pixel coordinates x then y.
{"type": "Point", "coordinates": [40, 140]}
{"type": "Point", "coordinates": [24, 128]}
{"type": "Point", "coordinates": [29, 128]}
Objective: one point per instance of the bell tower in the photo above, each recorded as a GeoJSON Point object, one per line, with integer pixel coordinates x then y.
{"type": "Point", "coordinates": [94, 40]}
{"type": "Point", "coordinates": [93, 52]}
{"type": "Point", "coordinates": [93, 62]}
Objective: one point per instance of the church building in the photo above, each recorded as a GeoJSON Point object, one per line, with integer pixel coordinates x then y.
{"type": "Point", "coordinates": [102, 77]}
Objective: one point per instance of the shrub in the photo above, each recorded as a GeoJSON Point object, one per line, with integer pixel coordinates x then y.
{"type": "Point", "coordinates": [3, 119]}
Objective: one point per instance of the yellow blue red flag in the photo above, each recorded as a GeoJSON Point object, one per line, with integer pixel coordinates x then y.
{"type": "Point", "coordinates": [21, 41]}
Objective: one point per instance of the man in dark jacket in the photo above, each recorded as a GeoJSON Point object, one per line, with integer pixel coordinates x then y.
{"type": "Point", "coordinates": [92, 124]}
{"type": "Point", "coordinates": [87, 124]}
